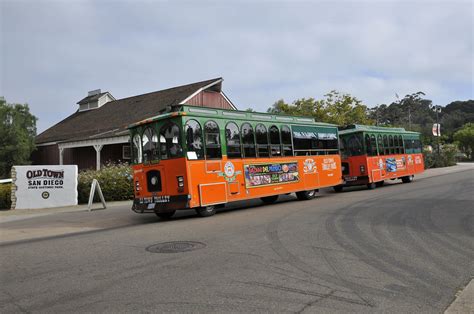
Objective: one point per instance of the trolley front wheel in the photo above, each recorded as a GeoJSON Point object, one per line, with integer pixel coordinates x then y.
{"type": "Point", "coordinates": [306, 195]}
{"type": "Point", "coordinates": [338, 188]}
{"type": "Point", "coordinates": [380, 183]}
{"type": "Point", "coordinates": [269, 199]}
{"type": "Point", "coordinates": [206, 211]}
{"type": "Point", "coordinates": [371, 186]}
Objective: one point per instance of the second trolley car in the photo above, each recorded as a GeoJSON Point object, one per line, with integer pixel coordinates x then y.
{"type": "Point", "coordinates": [371, 155]}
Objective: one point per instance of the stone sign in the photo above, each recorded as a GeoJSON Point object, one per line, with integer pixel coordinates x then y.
{"type": "Point", "coordinates": [44, 186]}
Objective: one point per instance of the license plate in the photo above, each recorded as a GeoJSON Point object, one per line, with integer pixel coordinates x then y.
{"type": "Point", "coordinates": [151, 206]}
{"type": "Point", "coordinates": [350, 179]}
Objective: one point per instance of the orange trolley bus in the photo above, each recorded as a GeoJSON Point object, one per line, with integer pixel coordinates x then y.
{"type": "Point", "coordinates": [201, 158]}
{"type": "Point", "coordinates": [373, 154]}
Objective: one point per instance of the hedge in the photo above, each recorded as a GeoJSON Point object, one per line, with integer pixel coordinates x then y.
{"type": "Point", "coordinates": [445, 158]}
{"type": "Point", "coordinates": [5, 196]}
{"type": "Point", "coordinates": [115, 181]}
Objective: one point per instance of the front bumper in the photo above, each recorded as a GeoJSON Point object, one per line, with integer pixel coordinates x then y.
{"type": "Point", "coordinates": [160, 204]}
{"type": "Point", "coordinates": [351, 180]}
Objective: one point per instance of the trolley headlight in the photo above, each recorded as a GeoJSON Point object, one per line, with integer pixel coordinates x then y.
{"type": "Point", "coordinates": [362, 168]}
{"type": "Point", "coordinates": [137, 185]}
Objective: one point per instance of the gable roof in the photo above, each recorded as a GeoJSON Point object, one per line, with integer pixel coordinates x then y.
{"type": "Point", "coordinates": [113, 117]}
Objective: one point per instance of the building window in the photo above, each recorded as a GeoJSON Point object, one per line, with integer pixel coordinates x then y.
{"type": "Point", "coordinates": [286, 141]}
{"type": "Point", "coordinates": [248, 140]}
{"type": "Point", "coordinates": [261, 136]}
{"type": "Point", "coordinates": [194, 143]}
{"type": "Point", "coordinates": [232, 136]}
{"type": "Point", "coordinates": [213, 140]}
{"type": "Point", "coordinates": [150, 145]}
{"type": "Point", "coordinates": [137, 149]}
{"type": "Point", "coordinates": [126, 152]}
{"type": "Point", "coordinates": [170, 141]}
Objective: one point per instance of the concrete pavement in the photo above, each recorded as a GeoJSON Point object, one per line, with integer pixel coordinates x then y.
{"type": "Point", "coordinates": [399, 248]}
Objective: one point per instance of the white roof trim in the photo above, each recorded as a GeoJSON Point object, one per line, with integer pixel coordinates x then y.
{"type": "Point", "coordinates": [228, 100]}
{"type": "Point", "coordinates": [200, 90]}
{"type": "Point", "coordinates": [46, 144]}
{"type": "Point", "coordinates": [99, 141]}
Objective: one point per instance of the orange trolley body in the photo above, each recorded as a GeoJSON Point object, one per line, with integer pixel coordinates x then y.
{"type": "Point", "coordinates": [371, 155]}
{"type": "Point", "coordinates": [202, 158]}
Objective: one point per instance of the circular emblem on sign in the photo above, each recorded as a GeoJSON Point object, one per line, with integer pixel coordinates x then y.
{"type": "Point", "coordinates": [229, 169]}
{"type": "Point", "coordinates": [45, 195]}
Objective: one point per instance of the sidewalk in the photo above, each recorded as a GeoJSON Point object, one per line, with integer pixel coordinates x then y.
{"type": "Point", "coordinates": [18, 214]}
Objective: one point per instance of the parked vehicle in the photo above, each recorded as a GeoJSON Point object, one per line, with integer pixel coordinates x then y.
{"type": "Point", "coordinates": [371, 155]}
{"type": "Point", "coordinates": [201, 158]}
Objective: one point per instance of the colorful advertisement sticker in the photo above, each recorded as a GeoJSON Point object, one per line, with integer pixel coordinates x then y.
{"type": "Point", "coordinates": [401, 163]}
{"type": "Point", "coordinates": [390, 165]}
{"type": "Point", "coordinates": [270, 174]}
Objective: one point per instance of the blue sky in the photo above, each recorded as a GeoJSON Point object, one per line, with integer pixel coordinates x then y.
{"type": "Point", "coordinates": [53, 52]}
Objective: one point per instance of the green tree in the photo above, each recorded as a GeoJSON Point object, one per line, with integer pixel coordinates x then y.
{"type": "Point", "coordinates": [17, 134]}
{"type": "Point", "coordinates": [465, 139]}
{"type": "Point", "coordinates": [337, 108]}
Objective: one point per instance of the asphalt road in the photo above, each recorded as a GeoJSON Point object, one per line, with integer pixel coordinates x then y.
{"type": "Point", "coordinates": [399, 248]}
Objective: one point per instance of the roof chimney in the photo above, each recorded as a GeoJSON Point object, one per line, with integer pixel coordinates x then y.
{"type": "Point", "coordinates": [94, 92]}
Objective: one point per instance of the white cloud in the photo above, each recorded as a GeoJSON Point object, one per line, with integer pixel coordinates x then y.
{"type": "Point", "coordinates": [54, 52]}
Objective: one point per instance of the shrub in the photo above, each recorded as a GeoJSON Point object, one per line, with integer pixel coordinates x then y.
{"type": "Point", "coordinates": [5, 196]}
{"type": "Point", "coordinates": [446, 157]}
{"type": "Point", "coordinates": [115, 181]}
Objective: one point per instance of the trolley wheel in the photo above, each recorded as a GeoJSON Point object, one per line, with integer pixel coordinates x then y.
{"type": "Point", "coordinates": [371, 186]}
{"type": "Point", "coordinates": [338, 188]}
{"type": "Point", "coordinates": [407, 179]}
{"type": "Point", "coordinates": [269, 199]}
{"type": "Point", "coordinates": [380, 183]}
{"type": "Point", "coordinates": [165, 215]}
{"type": "Point", "coordinates": [206, 211]}
{"type": "Point", "coordinates": [306, 195]}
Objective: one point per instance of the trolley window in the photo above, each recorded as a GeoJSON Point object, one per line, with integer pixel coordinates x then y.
{"type": "Point", "coordinates": [232, 136]}
{"type": "Point", "coordinates": [213, 140]}
{"type": "Point", "coordinates": [194, 143]}
{"type": "Point", "coordinates": [170, 141]}
{"type": "Point", "coordinates": [286, 141]}
{"type": "Point", "coordinates": [248, 140]}
{"type": "Point", "coordinates": [380, 145]}
{"type": "Point", "coordinates": [262, 140]}
{"type": "Point", "coordinates": [275, 147]}
{"type": "Point", "coordinates": [150, 145]}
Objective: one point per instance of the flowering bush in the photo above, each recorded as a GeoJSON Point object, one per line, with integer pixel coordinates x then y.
{"type": "Point", "coordinates": [115, 181]}
{"type": "Point", "coordinates": [5, 196]}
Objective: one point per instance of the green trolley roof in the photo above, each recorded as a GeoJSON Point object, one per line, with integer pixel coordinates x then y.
{"type": "Point", "coordinates": [374, 129]}
{"type": "Point", "coordinates": [194, 111]}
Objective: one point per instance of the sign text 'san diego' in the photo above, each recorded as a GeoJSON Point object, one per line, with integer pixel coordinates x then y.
{"type": "Point", "coordinates": [45, 186]}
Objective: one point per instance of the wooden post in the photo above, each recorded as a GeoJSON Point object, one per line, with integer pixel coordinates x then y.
{"type": "Point", "coordinates": [98, 148]}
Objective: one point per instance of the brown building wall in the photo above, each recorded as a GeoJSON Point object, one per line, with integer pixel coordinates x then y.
{"type": "Point", "coordinates": [45, 155]}
{"type": "Point", "coordinates": [209, 99]}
